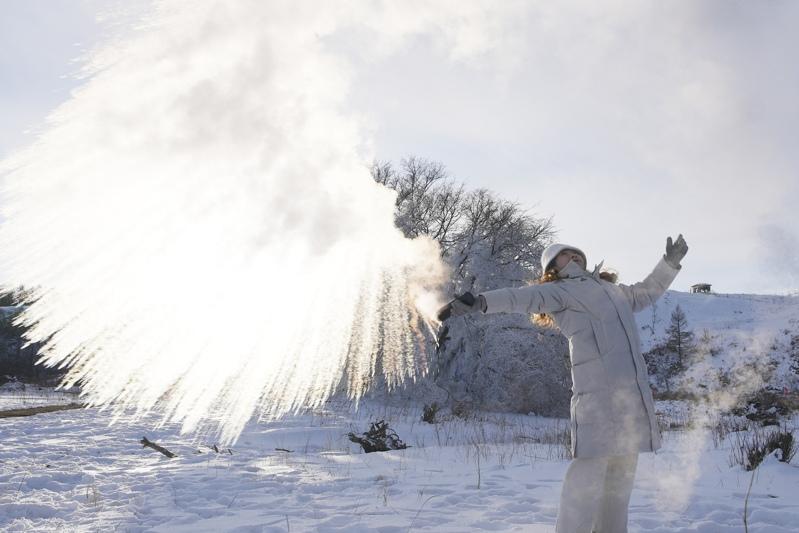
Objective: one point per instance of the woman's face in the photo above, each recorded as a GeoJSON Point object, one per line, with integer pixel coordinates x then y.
{"type": "Point", "coordinates": [563, 258]}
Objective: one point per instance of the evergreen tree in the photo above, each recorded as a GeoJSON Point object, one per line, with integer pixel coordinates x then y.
{"type": "Point", "coordinates": [7, 298]}
{"type": "Point", "coordinates": [680, 339]}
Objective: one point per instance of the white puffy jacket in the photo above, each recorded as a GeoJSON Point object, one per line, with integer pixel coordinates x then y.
{"type": "Point", "coordinates": [612, 410]}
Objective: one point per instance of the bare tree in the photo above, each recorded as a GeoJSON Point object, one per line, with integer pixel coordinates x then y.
{"type": "Point", "coordinates": [500, 244]}
{"type": "Point", "coordinates": [487, 240]}
{"type": "Point", "coordinates": [428, 202]}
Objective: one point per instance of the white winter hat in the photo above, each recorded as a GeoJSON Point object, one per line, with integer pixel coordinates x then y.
{"type": "Point", "coordinates": [552, 251]}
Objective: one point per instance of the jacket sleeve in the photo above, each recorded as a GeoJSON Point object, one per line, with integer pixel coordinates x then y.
{"type": "Point", "coordinates": [543, 298]}
{"type": "Point", "coordinates": [645, 293]}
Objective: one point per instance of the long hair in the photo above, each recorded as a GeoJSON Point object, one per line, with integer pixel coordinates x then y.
{"type": "Point", "coordinates": [544, 320]}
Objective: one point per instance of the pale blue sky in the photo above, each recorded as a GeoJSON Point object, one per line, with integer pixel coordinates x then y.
{"type": "Point", "coordinates": [627, 122]}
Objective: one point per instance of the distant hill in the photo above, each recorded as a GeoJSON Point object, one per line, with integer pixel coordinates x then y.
{"type": "Point", "coordinates": [742, 340]}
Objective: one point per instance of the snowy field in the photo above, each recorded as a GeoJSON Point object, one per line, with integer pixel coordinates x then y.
{"type": "Point", "coordinates": [70, 471]}
{"type": "Point", "coordinates": [15, 395]}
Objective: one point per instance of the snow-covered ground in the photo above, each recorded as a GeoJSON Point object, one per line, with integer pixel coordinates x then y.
{"type": "Point", "coordinates": [70, 471]}
{"type": "Point", "coordinates": [73, 471]}
{"type": "Point", "coordinates": [16, 395]}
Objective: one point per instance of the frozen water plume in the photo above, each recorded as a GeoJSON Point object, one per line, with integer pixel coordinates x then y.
{"type": "Point", "coordinates": [200, 227]}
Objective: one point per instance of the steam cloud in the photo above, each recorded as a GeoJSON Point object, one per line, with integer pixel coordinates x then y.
{"type": "Point", "coordinates": [199, 222]}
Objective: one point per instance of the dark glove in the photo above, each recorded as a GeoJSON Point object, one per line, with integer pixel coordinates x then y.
{"type": "Point", "coordinates": [675, 251]}
{"type": "Point", "coordinates": [461, 305]}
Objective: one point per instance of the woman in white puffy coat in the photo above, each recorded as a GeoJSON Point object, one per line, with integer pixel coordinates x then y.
{"type": "Point", "coordinates": [612, 410]}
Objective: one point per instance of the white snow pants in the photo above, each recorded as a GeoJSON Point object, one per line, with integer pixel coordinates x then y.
{"type": "Point", "coordinates": [596, 494]}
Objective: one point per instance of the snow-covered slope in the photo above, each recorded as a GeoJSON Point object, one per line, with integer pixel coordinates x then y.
{"type": "Point", "coordinates": [744, 337]}
{"type": "Point", "coordinates": [730, 315]}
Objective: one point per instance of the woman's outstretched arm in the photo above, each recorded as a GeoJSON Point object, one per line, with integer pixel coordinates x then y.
{"type": "Point", "coordinates": [645, 293]}
{"type": "Point", "coordinates": [541, 298]}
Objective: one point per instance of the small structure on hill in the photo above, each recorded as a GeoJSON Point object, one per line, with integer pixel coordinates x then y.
{"type": "Point", "coordinates": [700, 287]}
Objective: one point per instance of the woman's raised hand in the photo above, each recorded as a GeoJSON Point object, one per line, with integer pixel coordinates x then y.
{"type": "Point", "coordinates": [675, 251]}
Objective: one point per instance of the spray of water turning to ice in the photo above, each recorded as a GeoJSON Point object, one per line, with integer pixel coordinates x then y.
{"type": "Point", "coordinates": [199, 224]}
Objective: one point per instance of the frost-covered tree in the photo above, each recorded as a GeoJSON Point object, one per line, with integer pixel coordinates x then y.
{"type": "Point", "coordinates": [500, 362]}
{"type": "Point", "coordinates": [498, 245]}
{"type": "Point", "coordinates": [428, 202]}
{"type": "Point", "coordinates": [489, 242]}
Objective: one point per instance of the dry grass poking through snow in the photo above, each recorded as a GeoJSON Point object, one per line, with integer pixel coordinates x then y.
{"type": "Point", "coordinates": [486, 471]}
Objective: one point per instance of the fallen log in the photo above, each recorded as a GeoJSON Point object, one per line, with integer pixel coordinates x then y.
{"type": "Point", "coordinates": [30, 411]}
{"type": "Point", "coordinates": [146, 443]}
